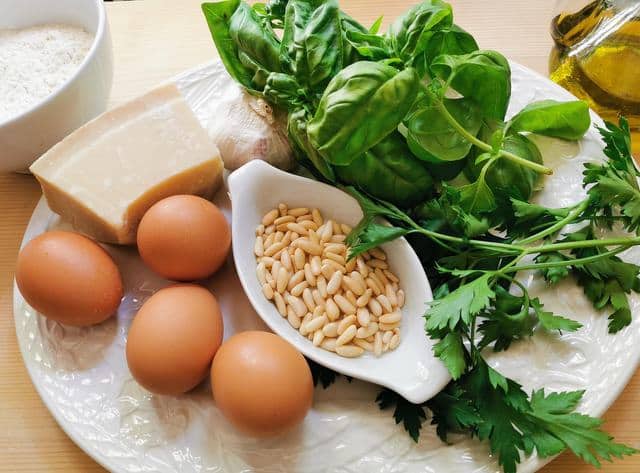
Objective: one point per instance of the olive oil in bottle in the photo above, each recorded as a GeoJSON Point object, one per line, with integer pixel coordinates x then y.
{"type": "Point", "coordinates": [597, 58]}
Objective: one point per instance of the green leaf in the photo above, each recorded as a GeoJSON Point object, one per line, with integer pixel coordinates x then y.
{"type": "Point", "coordinates": [477, 197]}
{"type": "Point", "coordinates": [550, 321]}
{"type": "Point", "coordinates": [412, 416]}
{"type": "Point", "coordinates": [376, 25]}
{"type": "Point", "coordinates": [431, 136]}
{"type": "Point", "coordinates": [368, 46]}
{"type": "Point", "coordinates": [532, 218]}
{"type": "Point", "coordinates": [452, 353]}
{"type": "Point", "coordinates": [452, 411]}
{"type": "Point", "coordinates": [297, 130]}
{"type": "Point", "coordinates": [567, 120]}
{"type": "Point", "coordinates": [284, 90]}
{"type": "Point", "coordinates": [483, 77]}
{"type": "Point", "coordinates": [555, 274]}
{"type": "Point", "coordinates": [452, 40]}
{"type": "Point", "coordinates": [369, 234]}
{"type": "Point", "coordinates": [460, 305]}
{"type": "Point", "coordinates": [361, 105]}
{"type": "Point", "coordinates": [390, 172]}
{"type": "Point", "coordinates": [409, 35]}
{"type": "Point", "coordinates": [218, 16]}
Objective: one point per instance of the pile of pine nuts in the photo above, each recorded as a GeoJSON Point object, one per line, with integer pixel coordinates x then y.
{"type": "Point", "coordinates": [344, 306]}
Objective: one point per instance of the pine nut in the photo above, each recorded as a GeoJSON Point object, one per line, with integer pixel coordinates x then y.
{"type": "Point", "coordinates": [275, 268]}
{"type": "Point", "coordinates": [377, 344]}
{"type": "Point", "coordinates": [363, 300]}
{"type": "Point", "coordinates": [335, 266]}
{"type": "Point", "coordinates": [332, 310]}
{"type": "Point", "coordinates": [307, 297]}
{"type": "Point", "coordinates": [260, 230]}
{"type": "Point", "coordinates": [334, 283]}
{"type": "Point", "coordinates": [298, 288]}
{"type": "Point", "coordinates": [316, 324]}
{"type": "Point", "coordinates": [260, 271]}
{"type": "Point", "coordinates": [283, 208]}
{"type": "Point", "coordinates": [336, 248]}
{"type": "Point", "coordinates": [270, 230]}
{"type": "Point", "coordinates": [346, 306]}
{"type": "Point", "coordinates": [394, 342]}
{"type": "Point", "coordinates": [350, 297]}
{"type": "Point", "coordinates": [296, 279]}
{"type": "Point", "coordinates": [400, 298]}
{"type": "Point", "coordinates": [374, 307]}
{"type": "Point", "coordinates": [297, 304]}
{"type": "Point", "coordinates": [274, 248]}
{"type": "Point", "coordinates": [293, 319]}
{"type": "Point", "coordinates": [267, 291]}
{"type": "Point", "coordinates": [308, 275]}
{"type": "Point", "coordinates": [317, 298]}
{"type": "Point", "coordinates": [377, 253]}
{"type": "Point", "coordinates": [336, 228]}
{"type": "Point", "coordinates": [287, 238]}
{"type": "Point", "coordinates": [315, 239]}
{"type": "Point", "coordinates": [346, 336]}
{"type": "Point", "coordinates": [392, 277]}
{"type": "Point", "coordinates": [280, 305]}
{"type": "Point", "coordinates": [282, 280]}
{"type": "Point", "coordinates": [278, 236]}
{"type": "Point", "coordinates": [390, 318]}
{"type": "Point", "coordinates": [317, 218]}
{"type": "Point", "coordinates": [270, 217]}
{"type": "Point", "coordinates": [386, 327]}
{"type": "Point", "coordinates": [363, 344]}
{"type": "Point", "coordinates": [328, 344]}
{"type": "Point", "coordinates": [363, 269]}
{"type": "Point", "coordinates": [317, 312]}
{"type": "Point", "coordinates": [270, 240]}
{"type": "Point", "coordinates": [381, 277]}
{"type": "Point", "coordinates": [378, 263]}
{"type": "Point", "coordinates": [258, 247]}
{"type": "Point", "coordinates": [327, 233]}
{"type": "Point", "coordinates": [285, 260]}
{"type": "Point", "coordinates": [331, 329]}
{"type": "Point", "coordinates": [370, 339]}
{"type": "Point", "coordinates": [363, 317]}
{"type": "Point", "coordinates": [284, 219]}
{"type": "Point", "coordinates": [307, 246]}
{"type": "Point", "coordinates": [334, 257]}
{"type": "Point", "coordinates": [307, 221]}
{"type": "Point", "coordinates": [294, 236]}
{"type": "Point", "coordinates": [386, 337]}
{"type": "Point", "coordinates": [391, 295]}
{"type": "Point", "coordinates": [296, 227]}
{"type": "Point", "coordinates": [318, 336]}
{"type": "Point", "coordinates": [338, 238]}
{"type": "Point", "coordinates": [371, 284]}
{"type": "Point", "coordinates": [316, 265]}
{"type": "Point", "coordinates": [384, 302]}
{"type": "Point", "coordinates": [321, 283]}
{"type": "Point", "coordinates": [345, 323]}
{"type": "Point", "coordinates": [299, 259]}
{"type": "Point", "coordinates": [270, 280]}
{"type": "Point", "coordinates": [298, 211]}
{"type": "Point", "coordinates": [366, 332]}
{"type": "Point", "coordinates": [349, 351]}
{"type": "Point", "coordinates": [350, 265]}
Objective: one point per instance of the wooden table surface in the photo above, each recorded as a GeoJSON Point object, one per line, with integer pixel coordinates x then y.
{"type": "Point", "coordinates": [153, 40]}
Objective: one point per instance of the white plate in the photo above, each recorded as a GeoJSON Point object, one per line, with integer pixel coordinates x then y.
{"type": "Point", "coordinates": [83, 379]}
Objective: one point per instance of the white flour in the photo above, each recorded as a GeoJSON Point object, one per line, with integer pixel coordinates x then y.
{"type": "Point", "coordinates": [35, 61]}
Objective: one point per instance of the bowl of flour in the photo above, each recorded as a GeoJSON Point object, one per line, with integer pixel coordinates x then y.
{"type": "Point", "coordinates": [56, 69]}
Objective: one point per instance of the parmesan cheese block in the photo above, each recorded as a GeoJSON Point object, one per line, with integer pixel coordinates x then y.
{"type": "Point", "coordinates": [103, 177]}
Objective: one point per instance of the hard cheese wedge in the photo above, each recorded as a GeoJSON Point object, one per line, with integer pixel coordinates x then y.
{"type": "Point", "coordinates": [103, 177]}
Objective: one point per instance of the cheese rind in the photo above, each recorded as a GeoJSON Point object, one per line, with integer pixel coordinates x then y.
{"type": "Point", "coordinates": [103, 177]}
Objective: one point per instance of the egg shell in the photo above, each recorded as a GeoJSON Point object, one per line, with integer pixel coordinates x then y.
{"type": "Point", "coordinates": [173, 339]}
{"type": "Point", "coordinates": [69, 278]}
{"type": "Point", "coordinates": [184, 238]}
{"type": "Point", "coordinates": [261, 383]}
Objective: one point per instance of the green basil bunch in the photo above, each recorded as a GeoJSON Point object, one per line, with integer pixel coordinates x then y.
{"type": "Point", "coordinates": [394, 114]}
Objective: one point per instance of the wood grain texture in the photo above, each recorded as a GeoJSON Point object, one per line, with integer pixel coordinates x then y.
{"type": "Point", "coordinates": [154, 40]}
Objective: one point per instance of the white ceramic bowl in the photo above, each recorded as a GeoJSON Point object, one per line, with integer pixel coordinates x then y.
{"type": "Point", "coordinates": [411, 369]}
{"type": "Point", "coordinates": [24, 137]}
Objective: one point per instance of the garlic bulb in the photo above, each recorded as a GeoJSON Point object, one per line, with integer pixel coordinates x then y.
{"type": "Point", "coordinates": [243, 126]}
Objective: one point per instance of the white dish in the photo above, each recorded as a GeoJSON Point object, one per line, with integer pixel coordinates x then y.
{"type": "Point", "coordinates": [411, 370]}
{"type": "Point", "coordinates": [82, 377]}
{"type": "Point", "coordinates": [24, 137]}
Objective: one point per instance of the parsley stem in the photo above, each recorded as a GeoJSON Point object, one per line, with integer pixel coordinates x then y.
{"type": "Point", "coordinates": [490, 245]}
{"type": "Point", "coordinates": [577, 210]}
{"type": "Point", "coordinates": [539, 168]}
{"type": "Point", "coordinates": [558, 264]}
{"type": "Point", "coordinates": [570, 245]}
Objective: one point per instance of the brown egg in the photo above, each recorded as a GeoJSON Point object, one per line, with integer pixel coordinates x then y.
{"type": "Point", "coordinates": [184, 238]}
{"type": "Point", "coordinates": [173, 338]}
{"type": "Point", "coordinates": [69, 278]}
{"type": "Point", "coordinates": [261, 383]}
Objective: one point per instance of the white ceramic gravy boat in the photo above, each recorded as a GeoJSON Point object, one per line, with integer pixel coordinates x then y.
{"type": "Point", "coordinates": [411, 369]}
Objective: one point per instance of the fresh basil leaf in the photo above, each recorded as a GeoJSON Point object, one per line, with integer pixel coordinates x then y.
{"type": "Point", "coordinates": [477, 197]}
{"type": "Point", "coordinates": [368, 46]}
{"type": "Point", "coordinates": [567, 120]}
{"type": "Point", "coordinates": [376, 25]}
{"type": "Point", "coordinates": [432, 138]}
{"type": "Point", "coordinates": [296, 18]}
{"type": "Point", "coordinates": [481, 76]}
{"type": "Point", "coordinates": [283, 89]}
{"type": "Point", "coordinates": [409, 35]}
{"type": "Point", "coordinates": [254, 38]}
{"type": "Point", "coordinates": [297, 129]}
{"type": "Point", "coordinates": [276, 9]}
{"type": "Point", "coordinates": [390, 172]}
{"type": "Point", "coordinates": [218, 16]}
{"type": "Point", "coordinates": [361, 105]}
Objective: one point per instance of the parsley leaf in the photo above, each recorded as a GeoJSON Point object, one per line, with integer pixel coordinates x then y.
{"type": "Point", "coordinates": [411, 415]}
{"type": "Point", "coordinates": [530, 218]}
{"type": "Point", "coordinates": [551, 321]}
{"type": "Point", "coordinates": [554, 274]}
{"type": "Point", "coordinates": [452, 353]}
